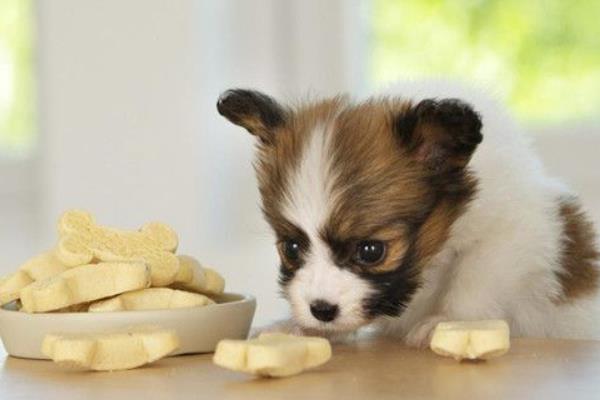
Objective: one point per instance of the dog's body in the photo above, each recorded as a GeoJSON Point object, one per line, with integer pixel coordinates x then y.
{"type": "Point", "coordinates": [395, 212]}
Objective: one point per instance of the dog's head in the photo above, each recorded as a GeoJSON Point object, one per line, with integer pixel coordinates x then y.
{"type": "Point", "coordinates": [360, 196]}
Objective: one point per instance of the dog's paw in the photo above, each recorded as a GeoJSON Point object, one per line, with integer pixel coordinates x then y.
{"type": "Point", "coordinates": [284, 326]}
{"type": "Point", "coordinates": [420, 335]}
{"type": "Point", "coordinates": [292, 328]}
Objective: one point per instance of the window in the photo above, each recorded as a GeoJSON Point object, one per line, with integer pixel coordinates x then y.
{"type": "Point", "coordinates": [542, 56]}
{"type": "Point", "coordinates": [17, 103]}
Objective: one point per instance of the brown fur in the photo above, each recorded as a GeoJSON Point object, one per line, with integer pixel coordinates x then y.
{"type": "Point", "coordinates": [436, 229]}
{"type": "Point", "coordinates": [382, 188]}
{"type": "Point", "coordinates": [397, 241]}
{"type": "Point", "coordinates": [580, 260]}
{"type": "Point", "coordinates": [276, 161]}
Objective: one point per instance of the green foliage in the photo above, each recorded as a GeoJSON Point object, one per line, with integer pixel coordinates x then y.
{"type": "Point", "coordinates": [542, 56]}
{"type": "Point", "coordinates": [17, 102]}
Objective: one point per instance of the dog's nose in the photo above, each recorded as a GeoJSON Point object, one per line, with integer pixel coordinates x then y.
{"type": "Point", "coordinates": [324, 311]}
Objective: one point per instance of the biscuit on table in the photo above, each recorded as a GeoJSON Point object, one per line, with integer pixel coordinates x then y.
{"type": "Point", "coordinates": [471, 339]}
{"type": "Point", "coordinates": [110, 351]}
{"type": "Point", "coordinates": [273, 354]}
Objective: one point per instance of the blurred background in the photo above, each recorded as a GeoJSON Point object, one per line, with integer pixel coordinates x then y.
{"type": "Point", "coordinates": [109, 105]}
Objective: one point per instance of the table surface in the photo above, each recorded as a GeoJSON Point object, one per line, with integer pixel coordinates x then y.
{"type": "Point", "coordinates": [378, 369]}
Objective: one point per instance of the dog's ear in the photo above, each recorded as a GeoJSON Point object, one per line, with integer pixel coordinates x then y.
{"type": "Point", "coordinates": [441, 133]}
{"type": "Point", "coordinates": [253, 110]}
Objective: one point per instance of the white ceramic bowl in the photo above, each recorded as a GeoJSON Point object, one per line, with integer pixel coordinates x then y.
{"type": "Point", "coordinates": [199, 328]}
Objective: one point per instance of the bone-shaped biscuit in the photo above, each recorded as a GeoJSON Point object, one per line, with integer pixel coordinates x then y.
{"type": "Point", "coordinates": [84, 284]}
{"type": "Point", "coordinates": [196, 278]}
{"type": "Point", "coordinates": [11, 285]}
{"type": "Point", "coordinates": [34, 269]}
{"type": "Point", "coordinates": [82, 241]}
{"type": "Point", "coordinates": [273, 354]}
{"type": "Point", "coordinates": [110, 351]}
{"type": "Point", "coordinates": [471, 339]}
{"type": "Point", "coordinates": [151, 299]}
{"type": "Point", "coordinates": [43, 266]}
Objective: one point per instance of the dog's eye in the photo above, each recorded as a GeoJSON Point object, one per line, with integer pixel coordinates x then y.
{"type": "Point", "coordinates": [291, 249]}
{"type": "Point", "coordinates": [369, 252]}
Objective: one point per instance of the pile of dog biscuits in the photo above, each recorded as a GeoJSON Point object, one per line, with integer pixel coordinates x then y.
{"type": "Point", "coordinates": [99, 269]}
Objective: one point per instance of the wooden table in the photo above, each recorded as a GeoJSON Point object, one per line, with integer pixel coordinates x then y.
{"type": "Point", "coordinates": [378, 369]}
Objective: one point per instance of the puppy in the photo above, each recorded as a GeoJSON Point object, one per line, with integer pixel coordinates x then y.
{"type": "Point", "coordinates": [413, 208]}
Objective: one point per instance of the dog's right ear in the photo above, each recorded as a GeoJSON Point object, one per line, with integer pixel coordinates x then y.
{"type": "Point", "coordinates": [253, 110]}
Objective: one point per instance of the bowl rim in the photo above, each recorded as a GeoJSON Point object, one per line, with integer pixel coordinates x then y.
{"type": "Point", "coordinates": [239, 299]}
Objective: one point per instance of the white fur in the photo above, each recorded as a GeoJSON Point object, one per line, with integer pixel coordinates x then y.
{"type": "Point", "coordinates": [499, 261]}
{"type": "Point", "coordinates": [307, 205]}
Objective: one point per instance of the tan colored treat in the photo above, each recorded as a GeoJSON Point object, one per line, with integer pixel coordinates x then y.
{"type": "Point", "coordinates": [151, 299]}
{"type": "Point", "coordinates": [11, 285]}
{"type": "Point", "coordinates": [82, 241]}
{"type": "Point", "coordinates": [75, 308]}
{"type": "Point", "coordinates": [39, 267]}
{"type": "Point", "coordinates": [83, 284]}
{"type": "Point", "coordinates": [471, 339]}
{"type": "Point", "coordinates": [43, 266]}
{"type": "Point", "coordinates": [194, 277]}
{"type": "Point", "coordinates": [273, 354]}
{"type": "Point", "coordinates": [110, 351]}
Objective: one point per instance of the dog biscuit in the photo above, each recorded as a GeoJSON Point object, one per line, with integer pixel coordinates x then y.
{"type": "Point", "coordinates": [273, 354]}
{"type": "Point", "coordinates": [36, 268]}
{"type": "Point", "coordinates": [75, 308]}
{"type": "Point", "coordinates": [82, 241]}
{"type": "Point", "coordinates": [83, 284]}
{"type": "Point", "coordinates": [194, 277]}
{"type": "Point", "coordinates": [150, 299]}
{"type": "Point", "coordinates": [11, 285]}
{"type": "Point", "coordinates": [110, 351]}
{"type": "Point", "coordinates": [43, 266]}
{"type": "Point", "coordinates": [471, 339]}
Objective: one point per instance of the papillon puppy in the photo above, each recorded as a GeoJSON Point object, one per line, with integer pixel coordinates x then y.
{"type": "Point", "coordinates": [422, 205]}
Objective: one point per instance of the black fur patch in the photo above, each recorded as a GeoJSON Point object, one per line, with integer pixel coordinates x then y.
{"type": "Point", "coordinates": [286, 275]}
{"type": "Point", "coordinates": [449, 129]}
{"type": "Point", "coordinates": [393, 290]}
{"type": "Point", "coordinates": [284, 231]}
{"type": "Point", "coordinates": [251, 109]}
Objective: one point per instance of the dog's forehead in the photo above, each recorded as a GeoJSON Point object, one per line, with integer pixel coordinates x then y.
{"type": "Point", "coordinates": [360, 132]}
{"type": "Point", "coordinates": [339, 164]}
{"type": "Point", "coordinates": [310, 187]}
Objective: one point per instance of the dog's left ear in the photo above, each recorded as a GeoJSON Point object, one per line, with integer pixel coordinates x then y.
{"type": "Point", "coordinates": [443, 134]}
{"type": "Point", "coordinates": [253, 110]}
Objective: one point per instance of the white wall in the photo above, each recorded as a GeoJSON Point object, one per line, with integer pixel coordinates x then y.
{"type": "Point", "coordinates": [570, 152]}
{"type": "Point", "coordinates": [19, 212]}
